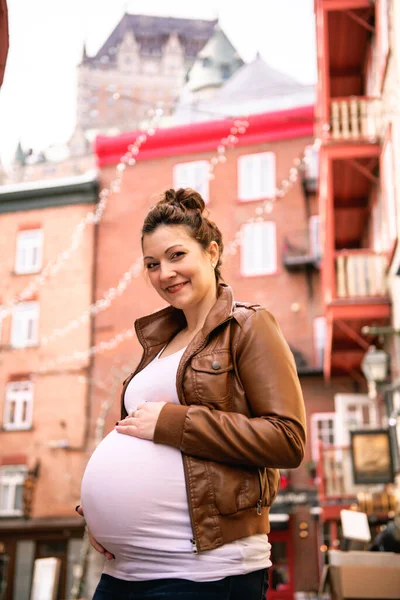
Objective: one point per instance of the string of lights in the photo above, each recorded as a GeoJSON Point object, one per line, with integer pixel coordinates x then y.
{"type": "Point", "coordinates": [261, 212]}
{"type": "Point", "coordinates": [92, 217]}
{"type": "Point", "coordinates": [239, 128]}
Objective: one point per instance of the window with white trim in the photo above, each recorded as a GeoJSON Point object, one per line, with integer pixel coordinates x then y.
{"type": "Point", "coordinates": [323, 429]}
{"type": "Point", "coordinates": [12, 479]}
{"type": "Point", "coordinates": [24, 328]}
{"type": "Point", "coordinates": [28, 258]}
{"type": "Point", "coordinates": [258, 249]}
{"type": "Point", "coordinates": [256, 176]}
{"type": "Point", "coordinates": [18, 405]}
{"type": "Point", "coordinates": [319, 331]}
{"type": "Point", "coordinates": [194, 175]}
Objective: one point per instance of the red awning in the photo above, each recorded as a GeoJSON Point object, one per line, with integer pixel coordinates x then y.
{"type": "Point", "coordinates": [4, 39]}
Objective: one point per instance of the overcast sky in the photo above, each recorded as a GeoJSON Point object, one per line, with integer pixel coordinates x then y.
{"type": "Point", "coordinates": [38, 97]}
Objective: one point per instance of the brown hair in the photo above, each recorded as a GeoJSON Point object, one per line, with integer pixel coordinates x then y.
{"type": "Point", "coordinates": [185, 207]}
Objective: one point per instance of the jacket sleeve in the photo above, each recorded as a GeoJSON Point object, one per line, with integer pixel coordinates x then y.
{"type": "Point", "coordinates": [275, 434]}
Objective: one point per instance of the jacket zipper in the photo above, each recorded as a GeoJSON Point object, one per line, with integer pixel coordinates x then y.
{"type": "Point", "coordinates": [262, 491]}
{"type": "Point", "coordinates": [179, 388]}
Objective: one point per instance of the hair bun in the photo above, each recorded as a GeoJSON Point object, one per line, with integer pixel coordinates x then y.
{"type": "Point", "coordinates": [185, 198]}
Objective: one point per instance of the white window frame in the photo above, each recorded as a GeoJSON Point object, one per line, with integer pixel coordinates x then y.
{"type": "Point", "coordinates": [25, 325]}
{"type": "Point", "coordinates": [19, 395]}
{"type": "Point", "coordinates": [348, 419]}
{"type": "Point", "coordinates": [194, 175]}
{"type": "Point", "coordinates": [11, 476]}
{"type": "Point", "coordinates": [322, 417]}
{"type": "Point", "coordinates": [258, 254]}
{"type": "Point", "coordinates": [29, 251]}
{"type": "Point", "coordinates": [256, 176]}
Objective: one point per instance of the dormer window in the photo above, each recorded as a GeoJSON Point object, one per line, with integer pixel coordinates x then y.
{"type": "Point", "coordinates": [206, 62]}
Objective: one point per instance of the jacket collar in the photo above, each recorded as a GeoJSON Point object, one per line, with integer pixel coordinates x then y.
{"type": "Point", "coordinates": [159, 327]}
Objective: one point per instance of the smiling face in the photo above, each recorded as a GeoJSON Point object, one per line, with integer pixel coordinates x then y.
{"type": "Point", "coordinates": [179, 268]}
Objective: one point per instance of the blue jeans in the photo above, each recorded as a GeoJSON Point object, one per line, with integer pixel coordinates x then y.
{"type": "Point", "coordinates": [252, 586]}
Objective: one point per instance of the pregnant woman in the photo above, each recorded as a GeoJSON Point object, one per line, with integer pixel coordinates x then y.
{"type": "Point", "coordinates": [177, 496]}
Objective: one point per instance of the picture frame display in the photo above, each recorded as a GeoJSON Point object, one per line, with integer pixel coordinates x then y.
{"type": "Point", "coordinates": [371, 455]}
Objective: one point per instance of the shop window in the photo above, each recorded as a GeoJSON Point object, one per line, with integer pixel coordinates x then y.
{"type": "Point", "coordinates": [18, 405]}
{"type": "Point", "coordinates": [11, 490]}
{"type": "Point", "coordinates": [24, 559]}
{"type": "Point", "coordinates": [258, 249]}
{"type": "Point", "coordinates": [193, 175]}
{"type": "Point", "coordinates": [24, 330]}
{"type": "Point", "coordinates": [28, 257]}
{"type": "Point", "coordinates": [256, 176]}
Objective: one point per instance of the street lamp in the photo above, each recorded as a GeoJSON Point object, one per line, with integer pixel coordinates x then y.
{"type": "Point", "coordinates": [375, 366]}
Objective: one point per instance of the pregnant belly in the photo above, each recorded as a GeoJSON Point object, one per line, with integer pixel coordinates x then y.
{"type": "Point", "coordinates": [134, 495]}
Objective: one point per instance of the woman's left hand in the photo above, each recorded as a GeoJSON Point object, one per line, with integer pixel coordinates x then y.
{"type": "Point", "coordinates": [142, 422]}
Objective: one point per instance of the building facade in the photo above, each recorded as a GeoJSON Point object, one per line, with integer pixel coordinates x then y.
{"type": "Point", "coordinates": [357, 122]}
{"type": "Point", "coordinates": [44, 406]}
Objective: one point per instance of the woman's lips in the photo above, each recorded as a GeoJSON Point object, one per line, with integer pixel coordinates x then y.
{"type": "Point", "coordinates": [173, 289]}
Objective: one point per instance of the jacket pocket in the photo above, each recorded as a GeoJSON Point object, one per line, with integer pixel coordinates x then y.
{"type": "Point", "coordinates": [265, 492]}
{"type": "Point", "coordinates": [234, 488]}
{"type": "Point", "coordinates": [212, 377]}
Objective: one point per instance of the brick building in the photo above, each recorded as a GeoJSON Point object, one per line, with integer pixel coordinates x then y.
{"type": "Point", "coordinates": [358, 122]}
{"type": "Point", "coordinates": [276, 265]}
{"type": "Point", "coordinates": [44, 410]}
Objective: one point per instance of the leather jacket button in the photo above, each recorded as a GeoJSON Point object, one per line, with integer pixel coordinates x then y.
{"type": "Point", "coordinates": [215, 365]}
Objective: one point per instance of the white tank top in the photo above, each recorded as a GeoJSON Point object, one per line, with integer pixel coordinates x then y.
{"type": "Point", "coordinates": [135, 502]}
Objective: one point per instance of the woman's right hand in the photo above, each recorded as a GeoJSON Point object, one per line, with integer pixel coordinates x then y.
{"type": "Point", "coordinates": [92, 539]}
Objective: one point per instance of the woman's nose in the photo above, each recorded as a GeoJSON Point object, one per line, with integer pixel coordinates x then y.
{"type": "Point", "coordinates": [166, 271]}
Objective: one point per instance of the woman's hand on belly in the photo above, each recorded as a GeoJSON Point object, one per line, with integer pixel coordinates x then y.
{"type": "Point", "coordinates": [92, 540]}
{"type": "Point", "coordinates": [142, 422]}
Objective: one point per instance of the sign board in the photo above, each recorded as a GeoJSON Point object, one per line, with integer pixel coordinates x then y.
{"type": "Point", "coordinates": [355, 525]}
{"type": "Point", "coordinates": [46, 577]}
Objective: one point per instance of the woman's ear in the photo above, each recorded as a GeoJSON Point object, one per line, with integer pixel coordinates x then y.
{"type": "Point", "coordinates": [213, 251]}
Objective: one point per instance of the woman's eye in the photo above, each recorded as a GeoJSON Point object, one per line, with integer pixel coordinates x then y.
{"type": "Point", "coordinates": [177, 254]}
{"type": "Point", "coordinates": [151, 265]}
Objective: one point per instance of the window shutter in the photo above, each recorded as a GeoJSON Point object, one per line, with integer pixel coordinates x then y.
{"type": "Point", "coordinates": [267, 174]}
{"type": "Point", "coordinates": [256, 176]}
{"type": "Point", "coordinates": [258, 248]}
{"type": "Point", "coordinates": [193, 175]}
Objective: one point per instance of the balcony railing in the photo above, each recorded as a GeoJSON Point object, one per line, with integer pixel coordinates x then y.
{"type": "Point", "coordinates": [360, 273]}
{"type": "Point", "coordinates": [357, 117]}
{"type": "Point", "coordinates": [298, 250]}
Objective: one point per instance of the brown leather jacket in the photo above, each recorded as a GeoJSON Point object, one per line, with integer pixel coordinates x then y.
{"type": "Point", "coordinates": [241, 415]}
